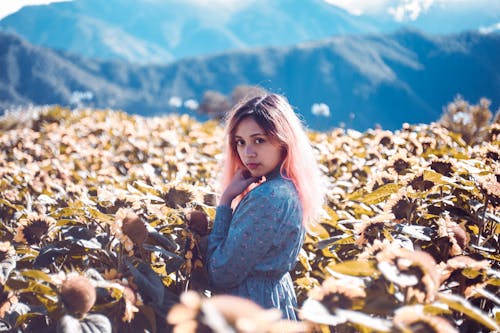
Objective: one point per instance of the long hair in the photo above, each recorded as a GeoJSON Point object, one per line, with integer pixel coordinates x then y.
{"type": "Point", "coordinates": [276, 117]}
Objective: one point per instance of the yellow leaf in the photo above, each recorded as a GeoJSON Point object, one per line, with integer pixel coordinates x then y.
{"type": "Point", "coordinates": [379, 195]}
{"type": "Point", "coordinates": [345, 241]}
{"type": "Point", "coordinates": [474, 229]}
{"type": "Point", "coordinates": [317, 230]}
{"type": "Point", "coordinates": [355, 268]}
{"type": "Point", "coordinates": [307, 282]}
{"type": "Point", "coordinates": [462, 305]}
{"type": "Point", "coordinates": [304, 261]}
{"type": "Point", "coordinates": [36, 274]}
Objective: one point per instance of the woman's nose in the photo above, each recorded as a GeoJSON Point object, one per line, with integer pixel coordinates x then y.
{"type": "Point", "coordinates": [249, 151]}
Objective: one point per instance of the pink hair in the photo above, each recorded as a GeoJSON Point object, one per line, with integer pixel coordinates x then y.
{"type": "Point", "coordinates": [276, 117]}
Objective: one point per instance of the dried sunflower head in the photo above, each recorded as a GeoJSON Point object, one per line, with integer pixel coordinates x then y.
{"type": "Point", "coordinates": [198, 222]}
{"type": "Point", "coordinates": [443, 167]}
{"type": "Point", "coordinates": [6, 250]}
{"type": "Point", "coordinates": [418, 183]}
{"type": "Point", "coordinates": [414, 319]}
{"type": "Point", "coordinates": [129, 229]}
{"type": "Point", "coordinates": [414, 271]}
{"type": "Point", "coordinates": [337, 293]}
{"type": "Point", "coordinates": [129, 303]}
{"type": "Point", "coordinates": [490, 185]}
{"type": "Point", "coordinates": [400, 162]}
{"type": "Point", "coordinates": [494, 131]}
{"type": "Point", "coordinates": [384, 138]}
{"type": "Point", "coordinates": [7, 298]}
{"type": "Point", "coordinates": [456, 234]}
{"type": "Point", "coordinates": [491, 153]}
{"type": "Point", "coordinates": [178, 196]}
{"type": "Point", "coordinates": [379, 179]}
{"type": "Point", "coordinates": [185, 311]}
{"type": "Point", "coordinates": [371, 250]}
{"type": "Point", "coordinates": [401, 205]}
{"type": "Point", "coordinates": [34, 228]}
{"type": "Point", "coordinates": [78, 295]}
{"type": "Point", "coordinates": [135, 228]}
{"type": "Point", "coordinates": [372, 229]}
{"type": "Point", "coordinates": [460, 263]}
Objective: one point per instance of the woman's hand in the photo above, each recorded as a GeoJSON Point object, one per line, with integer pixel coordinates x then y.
{"type": "Point", "coordinates": [241, 180]}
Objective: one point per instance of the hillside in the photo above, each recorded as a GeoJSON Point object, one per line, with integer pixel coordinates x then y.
{"type": "Point", "coordinates": [365, 80]}
{"type": "Point", "coordinates": [145, 31]}
{"type": "Point", "coordinates": [409, 236]}
{"type": "Point", "coordinates": [165, 31]}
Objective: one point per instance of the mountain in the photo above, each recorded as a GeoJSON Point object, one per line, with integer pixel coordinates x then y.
{"type": "Point", "coordinates": [407, 76]}
{"type": "Point", "coordinates": [161, 31]}
{"type": "Point", "coordinates": [147, 31]}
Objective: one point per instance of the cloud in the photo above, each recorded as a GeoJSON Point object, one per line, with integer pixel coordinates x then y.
{"type": "Point", "coordinates": [489, 29]}
{"type": "Point", "coordinates": [361, 7]}
{"type": "Point", "coordinates": [404, 10]}
{"type": "Point", "coordinates": [8, 7]}
{"type": "Point", "coordinates": [409, 9]}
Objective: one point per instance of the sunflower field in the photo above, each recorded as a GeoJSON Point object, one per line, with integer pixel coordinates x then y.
{"type": "Point", "coordinates": [104, 215]}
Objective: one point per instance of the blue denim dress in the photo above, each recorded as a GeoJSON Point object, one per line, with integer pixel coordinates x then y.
{"type": "Point", "coordinates": [251, 251]}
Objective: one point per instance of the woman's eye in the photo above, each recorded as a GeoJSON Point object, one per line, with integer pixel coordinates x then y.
{"type": "Point", "coordinates": [259, 140]}
{"type": "Point", "coordinates": [240, 142]}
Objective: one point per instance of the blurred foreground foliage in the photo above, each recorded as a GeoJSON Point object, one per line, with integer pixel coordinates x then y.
{"type": "Point", "coordinates": [103, 215]}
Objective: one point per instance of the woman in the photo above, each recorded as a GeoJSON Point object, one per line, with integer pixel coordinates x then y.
{"type": "Point", "coordinates": [272, 189]}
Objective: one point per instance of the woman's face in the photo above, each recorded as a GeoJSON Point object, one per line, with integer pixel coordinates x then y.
{"type": "Point", "coordinates": [258, 153]}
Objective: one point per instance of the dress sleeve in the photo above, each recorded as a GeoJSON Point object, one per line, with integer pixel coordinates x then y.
{"type": "Point", "coordinates": [238, 243]}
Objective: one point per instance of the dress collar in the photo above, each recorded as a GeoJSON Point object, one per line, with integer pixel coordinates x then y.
{"type": "Point", "coordinates": [275, 173]}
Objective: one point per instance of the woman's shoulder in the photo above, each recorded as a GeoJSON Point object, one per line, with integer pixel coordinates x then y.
{"type": "Point", "coordinates": [278, 188]}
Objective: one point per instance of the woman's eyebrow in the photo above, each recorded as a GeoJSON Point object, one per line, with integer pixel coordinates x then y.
{"type": "Point", "coordinates": [251, 135]}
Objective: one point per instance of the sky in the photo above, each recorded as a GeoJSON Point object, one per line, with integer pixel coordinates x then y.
{"type": "Point", "coordinates": [400, 10]}
{"type": "Point", "coordinates": [8, 7]}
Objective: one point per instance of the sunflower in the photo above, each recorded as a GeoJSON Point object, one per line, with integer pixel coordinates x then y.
{"type": "Point", "coordinates": [418, 183]}
{"type": "Point", "coordinates": [400, 162]}
{"type": "Point", "coordinates": [178, 196]}
{"type": "Point", "coordinates": [442, 166]}
{"type": "Point", "coordinates": [7, 299]}
{"type": "Point", "coordinates": [456, 234]}
{"type": "Point", "coordinates": [490, 185]}
{"type": "Point", "coordinates": [6, 250]}
{"type": "Point", "coordinates": [337, 293]}
{"type": "Point", "coordinates": [401, 205]}
{"type": "Point", "coordinates": [372, 229]}
{"type": "Point", "coordinates": [384, 138]}
{"type": "Point", "coordinates": [34, 229]}
{"type": "Point", "coordinates": [494, 131]}
{"type": "Point", "coordinates": [379, 179]}
{"type": "Point", "coordinates": [187, 310]}
{"type": "Point", "coordinates": [129, 229]}
{"type": "Point", "coordinates": [414, 319]}
{"type": "Point", "coordinates": [490, 153]}
{"type": "Point", "coordinates": [424, 284]}
{"type": "Point", "coordinates": [77, 294]}
{"type": "Point", "coordinates": [460, 263]}
{"type": "Point", "coordinates": [130, 302]}
{"type": "Point", "coordinates": [7, 260]}
{"type": "Point", "coordinates": [371, 250]}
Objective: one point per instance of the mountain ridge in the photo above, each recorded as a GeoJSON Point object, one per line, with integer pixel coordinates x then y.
{"type": "Point", "coordinates": [160, 32]}
{"type": "Point", "coordinates": [407, 76]}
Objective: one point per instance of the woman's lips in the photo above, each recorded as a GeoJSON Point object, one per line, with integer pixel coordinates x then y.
{"type": "Point", "coordinates": [252, 166]}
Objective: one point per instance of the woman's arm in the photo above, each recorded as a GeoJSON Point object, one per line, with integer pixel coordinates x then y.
{"type": "Point", "coordinates": [237, 243]}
